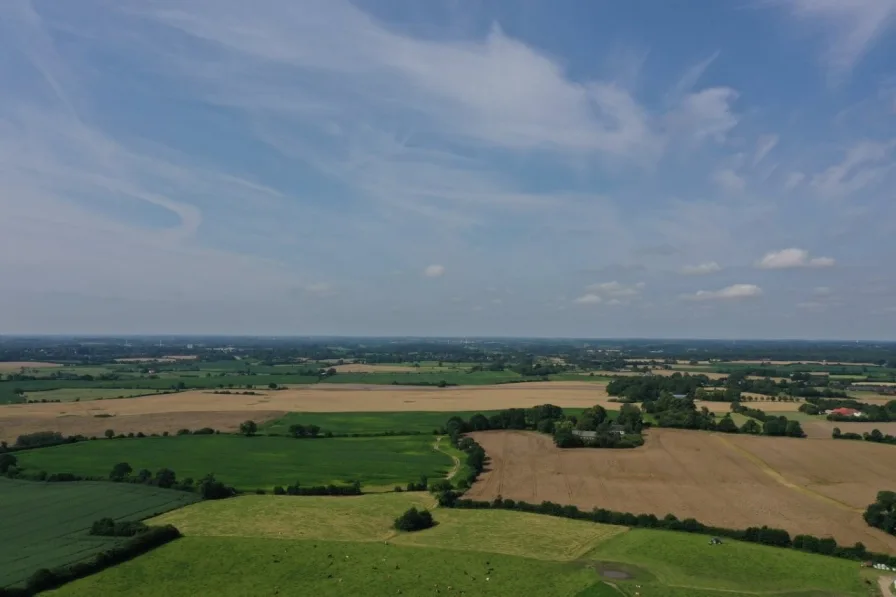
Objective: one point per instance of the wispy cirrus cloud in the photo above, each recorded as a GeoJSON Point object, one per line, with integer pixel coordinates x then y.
{"type": "Point", "coordinates": [708, 267]}
{"type": "Point", "coordinates": [850, 27]}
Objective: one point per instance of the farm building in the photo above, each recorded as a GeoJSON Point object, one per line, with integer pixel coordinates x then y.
{"type": "Point", "coordinates": [617, 429]}
{"type": "Point", "coordinates": [845, 412]}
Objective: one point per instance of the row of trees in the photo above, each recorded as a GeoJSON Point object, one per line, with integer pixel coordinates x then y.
{"type": "Point", "coordinates": [771, 424]}
{"type": "Point", "coordinates": [874, 436]}
{"type": "Point", "coordinates": [764, 535]}
{"type": "Point", "coordinates": [353, 488]}
{"type": "Point", "coordinates": [650, 387]}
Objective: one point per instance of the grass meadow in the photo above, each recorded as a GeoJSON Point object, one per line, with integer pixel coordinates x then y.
{"type": "Point", "coordinates": [45, 524]}
{"type": "Point", "coordinates": [259, 462]}
{"type": "Point", "coordinates": [334, 546]}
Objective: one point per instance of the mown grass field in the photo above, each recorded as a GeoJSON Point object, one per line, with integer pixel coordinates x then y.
{"type": "Point", "coordinates": [265, 544]}
{"type": "Point", "coordinates": [228, 566]}
{"type": "Point", "coordinates": [254, 462]}
{"type": "Point", "coordinates": [688, 561]}
{"type": "Point", "coordinates": [45, 525]}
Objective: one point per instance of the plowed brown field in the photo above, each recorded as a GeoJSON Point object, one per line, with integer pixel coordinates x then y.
{"type": "Point", "coordinates": [804, 486]}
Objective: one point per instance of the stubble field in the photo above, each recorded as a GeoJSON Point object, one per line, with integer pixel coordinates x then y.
{"type": "Point", "coordinates": [814, 487]}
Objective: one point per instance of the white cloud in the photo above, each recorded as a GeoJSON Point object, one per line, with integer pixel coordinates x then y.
{"type": "Point", "coordinates": [792, 258]}
{"type": "Point", "coordinates": [710, 267]}
{"type": "Point", "coordinates": [729, 181]}
{"type": "Point", "coordinates": [434, 271]}
{"type": "Point", "coordinates": [851, 26]}
{"type": "Point", "coordinates": [865, 163]}
{"type": "Point", "coordinates": [735, 291]}
{"type": "Point", "coordinates": [588, 299]}
{"type": "Point", "coordinates": [616, 289]}
{"type": "Point", "coordinates": [794, 179]}
{"type": "Point", "coordinates": [764, 145]}
{"type": "Point", "coordinates": [706, 114]}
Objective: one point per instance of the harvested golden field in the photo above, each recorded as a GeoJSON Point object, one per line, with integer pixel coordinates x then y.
{"type": "Point", "coordinates": [805, 486]}
{"type": "Point", "coordinates": [86, 424]}
{"type": "Point", "coordinates": [316, 398]}
{"type": "Point", "coordinates": [823, 429]}
{"type": "Point", "coordinates": [14, 366]}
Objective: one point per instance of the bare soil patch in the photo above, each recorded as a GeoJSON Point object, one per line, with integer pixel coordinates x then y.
{"type": "Point", "coordinates": [85, 424]}
{"type": "Point", "coordinates": [729, 481]}
{"type": "Point", "coordinates": [6, 366]}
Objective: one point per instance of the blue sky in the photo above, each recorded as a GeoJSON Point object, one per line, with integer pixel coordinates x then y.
{"type": "Point", "coordinates": [579, 168]}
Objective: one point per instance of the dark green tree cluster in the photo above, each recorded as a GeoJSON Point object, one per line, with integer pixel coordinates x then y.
{"type": "Point", "coordinates": [882, 513]}
{"type": "Point", "coordinates": [108, 527]}
{"type": "Point", "coordinates": [300, 431]}
{"type": "Point", "coordinates": [650, 387]}
{"type": "Point", "coordinates": [332, 489]}
{"type": "Point", "coordinates": [414, 520]}
{"type": "Point", "coordinates": [771, 425]}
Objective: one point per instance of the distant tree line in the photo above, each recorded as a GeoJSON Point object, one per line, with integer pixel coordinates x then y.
{"type": "Point", "coordinates": [875, 436]}
{"type": "Point", "coordinates": [140, 543]}
{"type": "Point", "coordinates": [763, 535]}
{"type": "Point", "coordinates": [625, 432]}
{"type": "Point", "coordinates": [649, 387]}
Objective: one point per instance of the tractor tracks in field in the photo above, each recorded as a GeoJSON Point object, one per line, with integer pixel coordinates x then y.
{"type": "Point", "coordinates": [438, 448]}
{"type": "Point", "coordinates": [781, 479]}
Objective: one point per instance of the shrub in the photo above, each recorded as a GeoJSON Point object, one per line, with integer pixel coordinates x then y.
{"type": "Point", "coordinates": [414, 520]}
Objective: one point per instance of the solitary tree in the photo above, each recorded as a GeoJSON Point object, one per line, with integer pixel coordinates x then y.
{"type": "Point", "coordinates": [248, 428]}
{"type": "Point", "coordinates": [109, 434]}
{"type": "Point", "coordinates": [6, 462]}
{"type": "Point", "coordinates": [166, 478]}
{"type": "Point", "coordinates": [120, 471]}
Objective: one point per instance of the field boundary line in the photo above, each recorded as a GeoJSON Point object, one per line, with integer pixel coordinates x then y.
{"type": "Point", "coordinates": [781, 479]}
{"type": "Point", "coordinates": [456, 468]}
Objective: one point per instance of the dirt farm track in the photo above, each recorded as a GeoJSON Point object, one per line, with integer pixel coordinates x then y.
{"type": "Point", "coordinates": [818, 487]}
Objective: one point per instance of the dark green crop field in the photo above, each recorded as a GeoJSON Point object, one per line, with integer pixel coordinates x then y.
{"type": "Point", "coordinates": [45, 525]}
{"type": "Point", "coordinates": [253, 462]}
{"type": "Point", "coordinates": [368, 423]}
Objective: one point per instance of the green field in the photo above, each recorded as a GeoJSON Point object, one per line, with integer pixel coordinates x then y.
{"type": "Point", "coordinates": [228, 566]}
{"type": "Point", "coordinates": [84, 394]}
{"type": "Point", "coordinates": [254, 462]}
{"type": "Point", "coordinates": [265, 544]}
{"type": "Point", "coordinates": [368, 422]}
{"type": "Point", "coordinates": [685, 560]}
{"type": "Point", "coordinates": [45, 524]}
